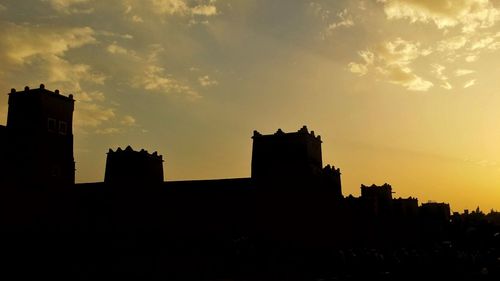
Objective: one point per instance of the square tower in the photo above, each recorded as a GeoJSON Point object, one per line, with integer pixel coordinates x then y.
{"type": "Point", "coordinates": [286, 156]}
{"type": "Point", "coordinates": [39, 136]}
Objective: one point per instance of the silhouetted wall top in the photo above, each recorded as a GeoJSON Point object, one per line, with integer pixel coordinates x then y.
{"type": "Point", "coordinates": [129, 166]}
{"type": "Point", "coordinates": [383, 192]}
{"type": "Point", "coordinates": [436, 210]}
{"type": "Point", "coordinates": [39, 109]}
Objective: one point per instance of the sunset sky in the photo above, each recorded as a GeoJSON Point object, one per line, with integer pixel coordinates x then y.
{"type": "Point", "coordinates": [402, 91]}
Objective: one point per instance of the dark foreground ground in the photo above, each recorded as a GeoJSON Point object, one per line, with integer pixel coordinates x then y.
{"type": "Point", "coordinates": [49, 236]}
{"type": "Point", "coordinates": [119, 256]}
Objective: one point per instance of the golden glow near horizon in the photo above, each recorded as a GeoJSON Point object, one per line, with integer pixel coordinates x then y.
{"type": "Point", "coordinates": [402, 91]}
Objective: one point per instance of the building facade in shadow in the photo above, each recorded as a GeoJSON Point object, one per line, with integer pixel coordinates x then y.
{"type": "Point", "coordinates": [291, 205]}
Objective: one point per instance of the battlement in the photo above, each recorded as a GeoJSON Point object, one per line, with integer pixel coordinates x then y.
{"type": "Point", "coordinates": [331, 170]}
{"type": "Point", "coordinates": [130, 151]}
{"type": "Point", "coordinates": [380, 192]}
{"type": "Point", "coordinates": [40, 90]}
{"type": "Point", "coordinates": [301, 132]}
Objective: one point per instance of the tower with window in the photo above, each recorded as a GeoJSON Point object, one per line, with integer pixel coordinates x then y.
{"type": "Point", "coordinates": [39, 137]}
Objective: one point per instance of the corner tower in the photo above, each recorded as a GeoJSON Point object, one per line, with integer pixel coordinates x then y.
{"type": "Point", "coordinates": [39, 136]}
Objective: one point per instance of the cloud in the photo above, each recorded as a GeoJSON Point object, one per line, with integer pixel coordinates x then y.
{"type": "Point", "coordinates": [136, 18]}
{"type": "Point", "coordinates": [462, 72]}
{"type": "Point", "coordinates": [438, 70]}
{"type": "Point", "coordinates": [482, 43]}
{"type": "Point", "coordinates": [22, 43]}
{"type": "Point", "coordinates": [108, 131]}
{"type": "Point", "coordinates": [400, 52]}
{"type": "Point", "coordinates": [451, 44]}
{"type": "Point", "coordinates": [128, 120]}
{"type": "Point", "coordinates": [447, 86]}
{"type": "Point", "coordinates": [116, 49]}
{"type": "Point", "coordinates": [70, 6]}
{"type": "Point", "coordinates": [362, 68]}
{"type": "Point", "coordinates": [114, 34]}
{"type": "Point", "coordinates": [58, 69]}
{"type": "Point", "coordinates": [358, 68]}
{"type": "Point", "coordinates": [41, 52]}
{"type": "Point", "coordinates": [89, 115]}
{"type": "Point", "coordinates": [333, 21]}
{"type": "Point", "coordinates": [204, 10]}
{"type": "Point", "coordinates": [92, 96]}
{"type": "Point", "coordinates": [206, 81]}
{"type": "Point", "coordinates": [44, 49]}
{"type": "Point", "coordinates": [405, 77]}
{"type": "Point", "coordinates": [90, 111]}
{"type": "Point", "coordinates": [469, 83]}
{"type": "Point", "coordinates": [469, 14]}
{"type": "Point", "coordinates": [471, 58]}
{"type": "Point", "coordinates": [345, 20]}
{"type": "Point", "coordinates": [391, 61]}
{"type": "Point", "coordinates": [155, 79]}
{"type": "Point", "coordinates": [182, 8]}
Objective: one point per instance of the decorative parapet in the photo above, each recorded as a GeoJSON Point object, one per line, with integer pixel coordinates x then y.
{"type": "Point", "coordinates": [130, 151]}
{"type": "Point", "coordinates": [331, 169]}
{"type": "Point", "coordinates": [280, 132]}
{"type": "Point", "coordinates": [41, 89]}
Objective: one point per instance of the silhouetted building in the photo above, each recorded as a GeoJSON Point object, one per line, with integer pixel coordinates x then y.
{"type": "Point", "coordinates": [133, 167]}
{"type": "Point", "coordinates": [286, 156]}
{"type": "Point", "coordinates": [439, 212]}
{"type": "Point", "coordinates": [179, 230]}
{"type": "Point", "coordinates": [292, 159]}
{"type": "Point", "coordinates": [405, 207]}
{"type": "Point", "coordinates": [375, 192]}
{"type": "Point", "coordinates": [37, 143]}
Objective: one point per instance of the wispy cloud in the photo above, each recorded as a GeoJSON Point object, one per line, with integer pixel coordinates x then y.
{"type": "Point", "coordinates": [469, 83]}
{"type": "Point", "coordinates": [183, 8]}
{"type": "Point", "coordinates": [155, 79]}
{"type": "Point", "coordinates": [462, 72]}
{"type": "Point", "coordinates": [28, 49]}
{"type": "Point", "coordinates": [206, 81]}
{"type": "Point", "coordinates": [71, 6]}
{"type": "Point", "coordinates": [469, 14]}
{"type": "Point", "coordinates": [391, 62]}
{"type": "Point", "coordinates": [344, 20]}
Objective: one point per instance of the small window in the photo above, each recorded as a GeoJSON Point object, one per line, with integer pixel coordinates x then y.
{"type": "Point", "coordinates": [63, 127]}
{"type": "Point", "coordinates": [51, 124]}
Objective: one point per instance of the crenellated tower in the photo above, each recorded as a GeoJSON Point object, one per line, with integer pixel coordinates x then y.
{"type": "Point", "coordinates": [292, 159]}
{"type": "Point", "coordinates": [38, 138]}
{"type": "Point", "coordinates": [126, 166]}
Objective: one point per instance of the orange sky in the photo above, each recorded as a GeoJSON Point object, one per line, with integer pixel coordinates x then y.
{"type": "Point", "coordinates": [402, 91]}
